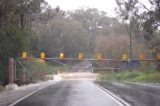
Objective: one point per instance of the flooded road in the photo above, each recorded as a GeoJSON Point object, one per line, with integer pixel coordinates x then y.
{"type": "Point", "coordinates": [70, 93]}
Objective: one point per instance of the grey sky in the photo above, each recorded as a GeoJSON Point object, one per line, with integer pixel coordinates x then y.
{"type": "Point", "coordinates": [105, 5]}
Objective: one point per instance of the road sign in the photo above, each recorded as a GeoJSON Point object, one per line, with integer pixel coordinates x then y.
{"type": "Point", "coordinates": [24, 55]}
{"type": "Point", "coordinates": [42, 55]}
{"type": "Point", "coordinates": [61, 55]}
{"type": "Point", "coordinates": [80, 56]}
{"type": "Point", "coordinates": [141, 56]}
{"type": "Point", "coordinates": [124, 57]}
{"type": "Point", "coordinates": [99, 56]}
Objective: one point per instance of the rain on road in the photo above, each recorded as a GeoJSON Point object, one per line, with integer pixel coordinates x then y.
{"type": "Point", "coordinates": [70, 93]}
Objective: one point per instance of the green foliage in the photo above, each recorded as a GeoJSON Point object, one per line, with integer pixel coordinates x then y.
{"type": "Point", "coordinates": [33, 26]}
{"type": "Point", "coordinates": [15, 19]}
{"type": "Point", "coordinates": [127, 75]}
{"type": "Point", "coordinates": [12, 41]}
{"type": "Point", "coordinates": [86, 29]}
{"type": "Point", "coordinates": [144, 20]}
{"type": "Point", "coordinates": [36, 70]}
{"type": "Point", "coordinates": [134, 76]}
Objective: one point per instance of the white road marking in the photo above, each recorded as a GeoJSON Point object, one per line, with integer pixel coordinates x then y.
{"type": "Point", "coordinates": [113, 96]}
{"type": "Point", "coordinates": [19, 100]}
{"type": "Point", "coordinates": [3, 103]}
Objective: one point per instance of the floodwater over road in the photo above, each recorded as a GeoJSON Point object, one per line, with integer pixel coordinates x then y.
{"type": "Point", "coordinates": [70, 93]}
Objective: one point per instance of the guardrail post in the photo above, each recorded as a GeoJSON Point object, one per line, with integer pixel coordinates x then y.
{"type": "Point", "coordinates": [24, 75]}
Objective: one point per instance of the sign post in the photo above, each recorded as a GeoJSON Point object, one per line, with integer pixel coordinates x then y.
{"type": "Point", "coordinates": [11, 70]}
{"type": "Point", "coordinates": [11, 85]}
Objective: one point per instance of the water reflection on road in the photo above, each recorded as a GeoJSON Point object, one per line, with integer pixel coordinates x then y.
{"type": "Point", "coordinates": [137, 95]}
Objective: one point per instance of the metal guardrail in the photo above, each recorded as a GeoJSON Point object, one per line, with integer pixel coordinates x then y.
{"type": "Point", "coordinates": [90, 59]}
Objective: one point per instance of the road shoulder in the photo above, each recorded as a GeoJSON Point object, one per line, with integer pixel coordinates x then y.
{"type": "Point", "coordinates": [9, 97]}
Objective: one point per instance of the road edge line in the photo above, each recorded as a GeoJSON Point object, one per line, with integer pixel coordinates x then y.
{"type": "Point", "coordinates": [21, 99]}
{"type": "Point", "coordinates": [113, 96]}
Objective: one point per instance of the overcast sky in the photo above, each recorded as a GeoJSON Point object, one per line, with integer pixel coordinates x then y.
{"type": "Point", "coordinates": [105, 5]}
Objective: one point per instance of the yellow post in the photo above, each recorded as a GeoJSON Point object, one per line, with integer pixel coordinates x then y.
{"type": "Point", "coordinates": [61, 55]}
{"type": "Point", "coordinates": [141, 56]}
{"type": "Point", "coordinates": [42, 55]}
{"type": "Point", "coordinates": [158, 56]}
{"type": "Point", "coordinates": [99, 56]}
{"type": "Point", "coordinates": [80, 56]}
{"type": "Point", "coordinates": [24, 55]}
{"type": "Point", "coordinates": [124, 57]}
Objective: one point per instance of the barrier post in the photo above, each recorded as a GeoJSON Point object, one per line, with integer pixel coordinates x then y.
{"type": "Point", "coordinates": [11, 70]}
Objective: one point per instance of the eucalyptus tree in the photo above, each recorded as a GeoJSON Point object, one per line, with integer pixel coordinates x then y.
{"type": "Point", "coordinates": [15, 21]}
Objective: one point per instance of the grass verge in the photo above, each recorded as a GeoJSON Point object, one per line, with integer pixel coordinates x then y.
{"type": "Point", "coordinates": [134, 76]}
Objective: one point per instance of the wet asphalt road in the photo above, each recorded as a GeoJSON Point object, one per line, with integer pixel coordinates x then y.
{"type": "Point", "coordinates": [134, 94]}
{"type": "Point", "coordinates": [69, 93]}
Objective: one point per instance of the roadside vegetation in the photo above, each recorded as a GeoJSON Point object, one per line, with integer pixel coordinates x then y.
{"type": "Point", "coordinates": [134, 76]}
{"type": "Point", "coordinates": [147, 72]}
{"type": "Point", "coordinates": [34, 27]}
{"type": "Point", "coordinates": [36, 70]}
